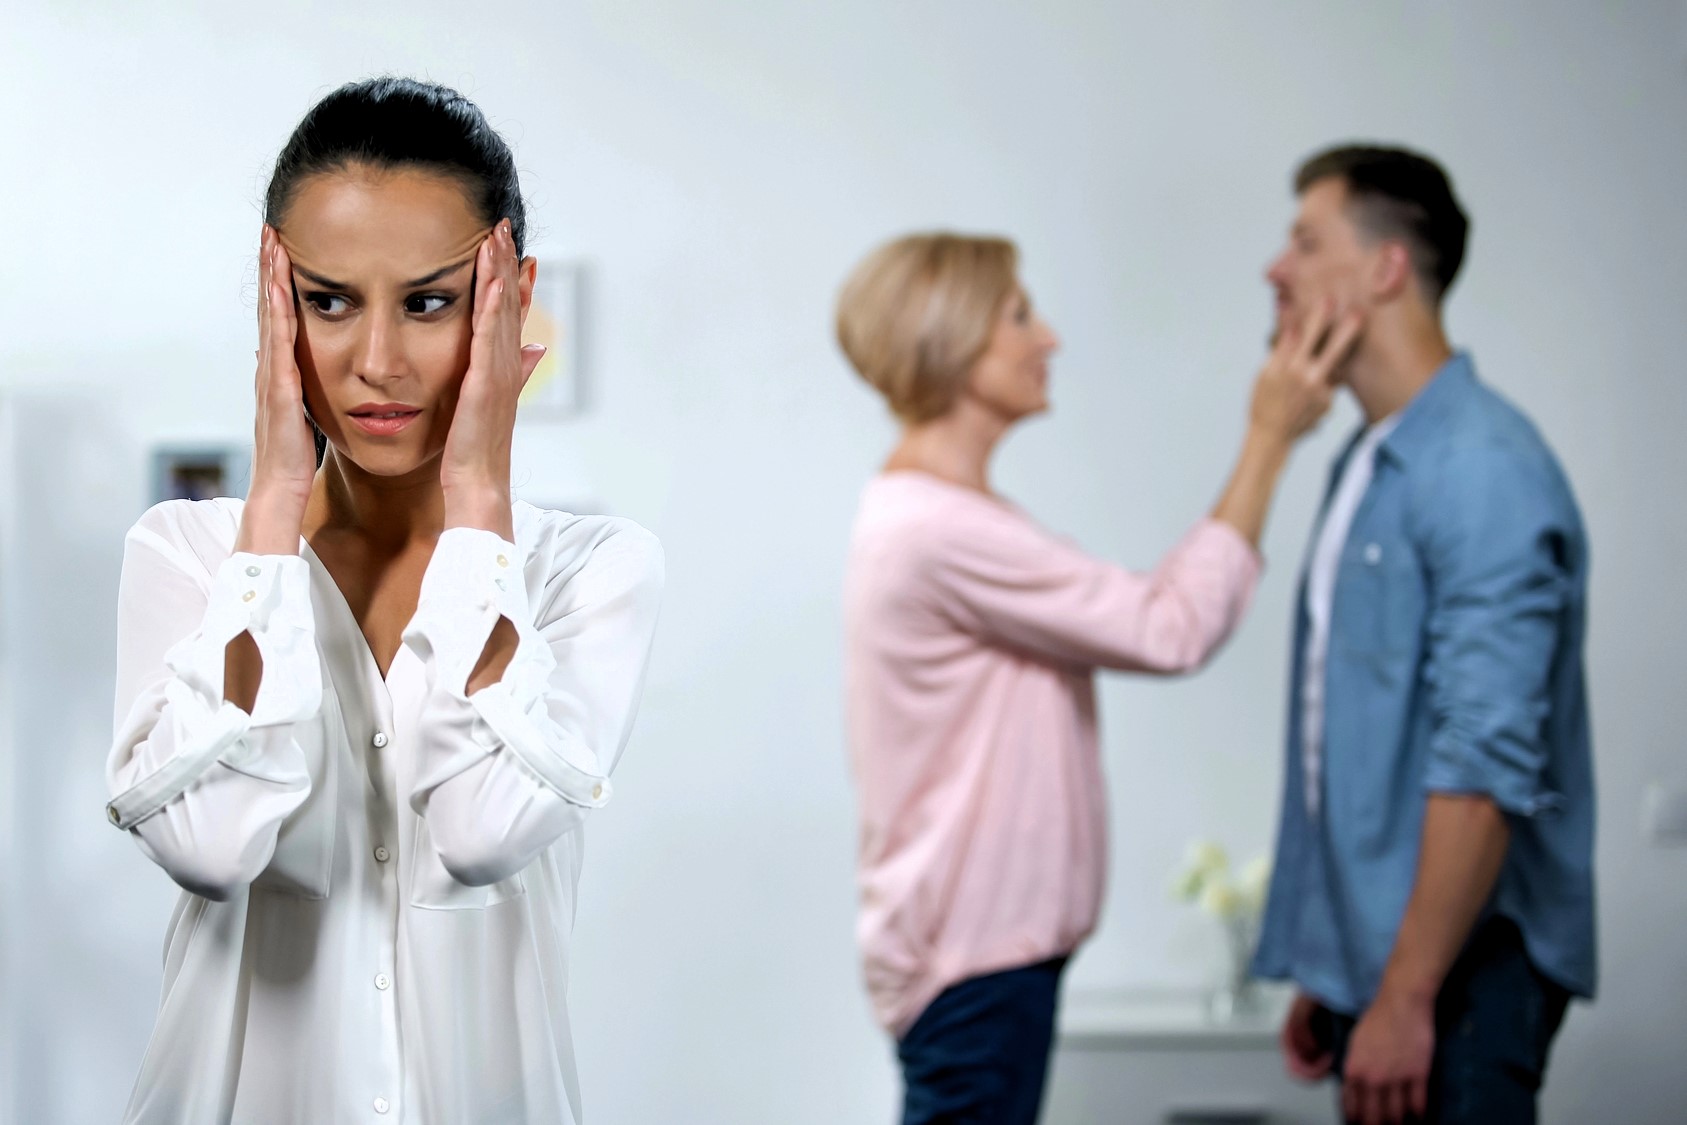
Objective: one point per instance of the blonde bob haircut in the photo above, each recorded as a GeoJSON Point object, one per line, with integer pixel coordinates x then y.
{"type": "Point", "coordinates": [915, 316]}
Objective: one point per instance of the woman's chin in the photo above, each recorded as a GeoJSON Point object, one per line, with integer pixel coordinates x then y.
{"type": "Point", "coordinates": [388, 462]}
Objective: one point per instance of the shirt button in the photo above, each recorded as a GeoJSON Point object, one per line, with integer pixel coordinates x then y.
{"type": "Point", "coordinates": [502, 561]}
{"type": "Point", "coordinates": [1373, 554]}
{"type": "Point", "coordinates": [382, 981]}
{"type": "Point", "coordinates": [381, 854]}
{"type": "Point", "coordinates": [597, 792]}
{"type": "Point", "coordinates": [380, 739]}
{"type": "Point", "coordinates": [253, 571]}
{"type": "Point", "coordinates": [381, 1105]}
{"type": "Point", "coordinates": [111, 814]}
{"type": "Point", "coordinates": [248, 595]}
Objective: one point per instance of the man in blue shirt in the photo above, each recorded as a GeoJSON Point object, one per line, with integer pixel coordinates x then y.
{"type": "Point", "coordinates": [1433, 889]}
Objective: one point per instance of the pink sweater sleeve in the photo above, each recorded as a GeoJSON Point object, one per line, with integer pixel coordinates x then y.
{"type": "Point", "coordinates": [1007, 580]}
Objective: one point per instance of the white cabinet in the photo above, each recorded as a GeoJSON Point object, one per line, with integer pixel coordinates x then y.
{"type": "Point", "coordinates": [1141, 1057]}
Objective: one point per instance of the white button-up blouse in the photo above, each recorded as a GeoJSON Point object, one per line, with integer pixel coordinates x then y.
{"type": "Point", "coordinates": [380, 874]}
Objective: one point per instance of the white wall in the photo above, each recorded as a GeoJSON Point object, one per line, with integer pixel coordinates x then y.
{"type": "Point", "coordinates": [719, 167]}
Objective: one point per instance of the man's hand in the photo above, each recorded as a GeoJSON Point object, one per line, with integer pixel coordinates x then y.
{"type": "Point", "coordinates": [1307, 1059]}
{"type": "Point", "coordinates": [1386, 1078]}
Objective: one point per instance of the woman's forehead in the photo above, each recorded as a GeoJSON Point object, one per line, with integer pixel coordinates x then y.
{"type": "Point", "coordinates": [365, 224]}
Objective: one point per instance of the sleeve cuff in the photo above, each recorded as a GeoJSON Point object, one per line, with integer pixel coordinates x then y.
{"type": "Point", "coordinates": [474, 577]}
{"type": "Point", "coordinates": [257, 593]}
{"type": "Point", "coordinates": [267, 596]}
{"type": "Point", "coordinates": [1514, 795]}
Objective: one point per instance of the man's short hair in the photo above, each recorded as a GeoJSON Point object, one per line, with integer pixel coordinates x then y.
{"type": "Point", "coordinates": [1395, 193]}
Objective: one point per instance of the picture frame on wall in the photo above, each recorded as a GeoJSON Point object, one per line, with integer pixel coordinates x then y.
{"type": "Point", "coordinates": [199, 472]}
{"type": "Point", "coordinates": [556, 388]}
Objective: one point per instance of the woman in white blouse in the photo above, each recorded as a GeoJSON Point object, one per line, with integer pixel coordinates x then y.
{"type": "Point", "coordinates": [361, 716]}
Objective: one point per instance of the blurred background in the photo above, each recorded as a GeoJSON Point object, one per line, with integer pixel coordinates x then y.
{"type": "Point", "coordinates": [710, 172]}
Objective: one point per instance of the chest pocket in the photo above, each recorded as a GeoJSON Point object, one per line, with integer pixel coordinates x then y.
{"type": "Point", "coordinates": [303, 863]}
{"type": "Point", "coordinates": [1379, 601]}
{"type": "Point", "coordinates": [433, 888]}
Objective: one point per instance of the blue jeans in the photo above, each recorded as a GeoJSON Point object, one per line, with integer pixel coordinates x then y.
{"type": "Point", "coordinates": [979, 1053]}
{"type": "Point", "coordinates": [1495, 1019]}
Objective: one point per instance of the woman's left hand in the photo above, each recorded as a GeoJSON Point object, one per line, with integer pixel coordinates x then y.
{"type": "Point", "coordinates": [475, 470]}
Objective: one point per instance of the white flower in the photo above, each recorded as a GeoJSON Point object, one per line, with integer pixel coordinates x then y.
{"type": "Point", "coordinates": [1205, 861]}
{"type": "Point", "coordinates": [1220, 898]}
{"type": "Point", "coordinates": [1253, 884]}
{"type": "Point", "coordinates": [1187, 886]}
{"type": "Point", "coordinates": [1208, 858]}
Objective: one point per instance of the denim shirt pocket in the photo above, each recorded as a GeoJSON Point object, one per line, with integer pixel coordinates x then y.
{"type": "Point", "coordinates": [1380, 605]}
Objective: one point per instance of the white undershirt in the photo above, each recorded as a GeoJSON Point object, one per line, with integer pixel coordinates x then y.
{"type": "Point", "coordinates": [1320, 597]}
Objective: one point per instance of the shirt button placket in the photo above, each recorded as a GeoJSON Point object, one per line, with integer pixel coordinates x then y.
{"type": "Point", "coordinates": [383, 824]}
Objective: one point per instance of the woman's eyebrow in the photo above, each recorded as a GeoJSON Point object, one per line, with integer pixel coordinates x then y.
{"type": "Point", "coordinates": [329, 283]}
{"type": "Point", "coordinates": [440, 272]}
{"type": "Point", "coordinates": [318, 279]}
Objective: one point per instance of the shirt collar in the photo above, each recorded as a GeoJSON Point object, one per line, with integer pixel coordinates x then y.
{"type": "Point", "coordinates": [1418, 425]}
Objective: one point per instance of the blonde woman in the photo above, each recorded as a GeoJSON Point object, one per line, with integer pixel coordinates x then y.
{"type": "Point", "coordinates": [972, 640]}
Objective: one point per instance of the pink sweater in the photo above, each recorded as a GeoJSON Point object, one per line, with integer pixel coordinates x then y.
{"type": "Point", "coordinates": [972, 638]}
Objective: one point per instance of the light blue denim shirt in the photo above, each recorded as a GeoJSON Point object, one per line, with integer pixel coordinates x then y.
{"type": "Point", "coordinates": [1455, 666]}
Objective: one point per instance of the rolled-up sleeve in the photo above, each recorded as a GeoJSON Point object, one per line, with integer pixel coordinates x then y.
{"type": "Point", "coordinates": [506, 771]}
{"type": "Point", "coordinates": [203, 784]}
{"type": "Point", "coordinates": [1500, 582]}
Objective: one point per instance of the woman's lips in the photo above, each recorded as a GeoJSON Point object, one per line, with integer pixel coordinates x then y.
{"type": "Point", "coordinates": [384, 421]}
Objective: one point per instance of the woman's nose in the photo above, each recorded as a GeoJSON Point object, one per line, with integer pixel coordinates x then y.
{"type": "Point", "coordinates": [380, 358]}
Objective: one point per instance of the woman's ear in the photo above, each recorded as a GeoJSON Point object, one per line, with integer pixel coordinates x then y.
{"type": "Point", "coordinates": [527, 273]}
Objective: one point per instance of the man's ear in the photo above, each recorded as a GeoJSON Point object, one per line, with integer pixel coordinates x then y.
{"type": "Point", "coordinates": [1394, 272]}
{"type": "Point", "coordinates": [527, 272]}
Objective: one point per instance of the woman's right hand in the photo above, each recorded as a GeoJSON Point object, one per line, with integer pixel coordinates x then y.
{"type": "Point", "coordinates": [1294, 389]}
{"type": "Point", "coordinates": [284, 445]}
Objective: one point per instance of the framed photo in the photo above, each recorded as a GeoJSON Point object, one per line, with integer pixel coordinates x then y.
{"type": "Point", "coordinates": [199, 472]}
{"type": "Point", "coordinates": [555, 389]}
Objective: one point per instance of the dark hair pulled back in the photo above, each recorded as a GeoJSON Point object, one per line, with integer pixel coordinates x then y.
{"type": "Point", "coordinates": [396, 123]}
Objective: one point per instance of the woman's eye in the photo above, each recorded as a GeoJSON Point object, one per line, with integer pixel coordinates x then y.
{"type": "Point", "coordinates": [421, 305]}
{"type": "Point", "coordinates": [328, 304]}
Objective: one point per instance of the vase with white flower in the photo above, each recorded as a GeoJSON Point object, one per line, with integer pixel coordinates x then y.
{"type": "Point", "coordinates": [1236, 901]}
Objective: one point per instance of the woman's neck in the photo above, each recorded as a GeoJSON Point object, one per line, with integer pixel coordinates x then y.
{"type": "Point", "coordinates": [386, 511]}
{"type": "Point", "coordinates": [955, 447]}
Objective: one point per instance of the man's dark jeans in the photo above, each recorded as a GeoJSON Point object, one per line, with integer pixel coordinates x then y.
{"type": "Point", "coordinates": [1495, 1019]}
